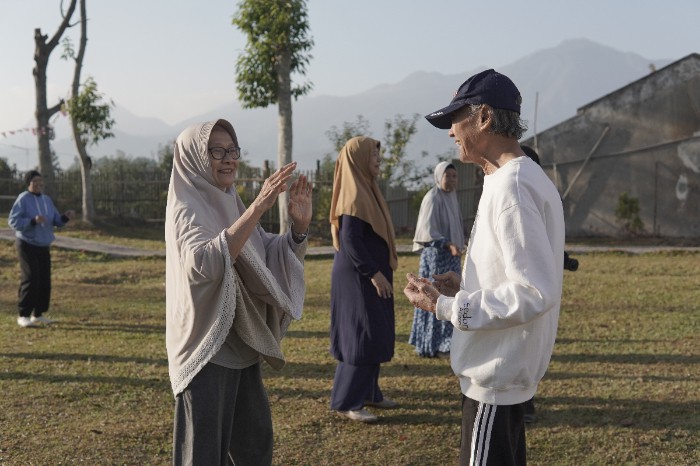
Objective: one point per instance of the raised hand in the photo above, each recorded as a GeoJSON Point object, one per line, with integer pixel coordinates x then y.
{"type": "Point", "coordinates": [273, 186]}
{"type": "Point", "coordinates": [300, 208]}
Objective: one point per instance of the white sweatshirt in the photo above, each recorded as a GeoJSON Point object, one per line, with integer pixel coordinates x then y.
{"type": "Point", "coordinates": [506, 313]}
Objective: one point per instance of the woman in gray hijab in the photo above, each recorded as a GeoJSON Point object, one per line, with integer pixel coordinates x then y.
{"type": "Point", "coordinates": [232, 289]}
{"type": "Point", "coordinates": [440, 238]}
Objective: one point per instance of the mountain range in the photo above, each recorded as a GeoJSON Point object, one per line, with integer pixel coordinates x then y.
{"type": "Point", "coordinates": [556, 80]}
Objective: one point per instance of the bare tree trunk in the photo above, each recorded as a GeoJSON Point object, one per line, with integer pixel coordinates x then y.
{"type": "Point", "coordinates": [42, 113]}
{"type": "Point", "coordinates": [284, 113]}
{"type": "Point", "coordinates": [88, 206]}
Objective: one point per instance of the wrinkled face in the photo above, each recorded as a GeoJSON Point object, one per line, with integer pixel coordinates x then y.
{"type": "Point", "coordinates": [465, 131]}
{"type": "Point", "coordinates": [448, 183]}
{"type": "Point", "coordinates": [374, 162]}
{"type": "Point", "coordinates": [223, 171]}
{"type": "Point", "coordinates": [36, 185]}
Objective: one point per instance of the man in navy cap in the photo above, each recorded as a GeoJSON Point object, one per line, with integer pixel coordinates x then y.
{"type": "Point", "coordinates": [505, 306]}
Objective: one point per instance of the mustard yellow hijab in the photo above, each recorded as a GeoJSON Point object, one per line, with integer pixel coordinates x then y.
{"type": "Point", "coordinates": [356, 193]}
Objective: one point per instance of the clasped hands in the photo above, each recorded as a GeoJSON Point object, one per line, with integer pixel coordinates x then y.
{"type": "Point", "coordinates": [40, 219]}
{"type": "Point", "coordinates": [424, 294]}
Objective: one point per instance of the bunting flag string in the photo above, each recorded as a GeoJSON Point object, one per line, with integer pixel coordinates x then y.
{"type": "Point", "coordinates": [48, 129]}
{"type": "Point", "coordinates": [35, 131]}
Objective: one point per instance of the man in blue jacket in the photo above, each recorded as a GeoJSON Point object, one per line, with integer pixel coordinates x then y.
{"type": "Point", "coordinates": [33, 217]}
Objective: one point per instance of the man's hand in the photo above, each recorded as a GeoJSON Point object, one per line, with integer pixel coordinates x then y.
{"type": "Point", "coordinates": [421, 292]}
{"type": "Point", "coordinates": [447, 283]}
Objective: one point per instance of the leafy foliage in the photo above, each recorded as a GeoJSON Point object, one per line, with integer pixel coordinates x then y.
{"type": "Point", "coordinates": [339, 136]}
{"type": "Point", "coordinates": [165, 156]}
{"type": "Point", "coordinates": [7, 172]}
{"type": "Point", "coordinates": [627, 214]}
{"type": "Point", "coordinates": [91, 113]}
{"type": "Point", "coordinates": [397, 135]}
{"type": "Point", "coordinates": [323, 188]}
{"type": "Point", "coordinates": [273, 27]}
{"type": "Point", "coordinates": [68, 49]}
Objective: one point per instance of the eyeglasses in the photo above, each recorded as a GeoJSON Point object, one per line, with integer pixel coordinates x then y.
{"type": "Point", "coordinates": [218, 153]}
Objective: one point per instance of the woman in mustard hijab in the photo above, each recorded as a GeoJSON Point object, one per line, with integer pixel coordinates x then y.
{"type": "Point", "coordinates": [362, 301]}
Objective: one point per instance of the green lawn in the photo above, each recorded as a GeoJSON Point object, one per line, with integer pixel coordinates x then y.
{"type": "Point", "coordinates": [623, 386]}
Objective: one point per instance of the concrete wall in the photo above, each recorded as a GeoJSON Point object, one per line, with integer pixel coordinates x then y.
{"type": "Point", "coordinates": [643, 139]}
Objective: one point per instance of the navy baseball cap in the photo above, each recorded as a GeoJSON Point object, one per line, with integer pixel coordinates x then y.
{"type": "Point", "coordinates": [488, 87]}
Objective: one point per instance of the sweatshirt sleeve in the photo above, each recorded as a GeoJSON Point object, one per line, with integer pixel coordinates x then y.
{"type": "Point", "coordinates": [20, 219]}
{"type": "Point", "coordinates": [530, 287]}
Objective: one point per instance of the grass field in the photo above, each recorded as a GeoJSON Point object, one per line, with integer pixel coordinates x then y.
{"type": "Point", "coordinates": [623, 386]}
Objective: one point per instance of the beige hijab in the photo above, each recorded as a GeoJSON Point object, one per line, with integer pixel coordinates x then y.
{"type": "Point", "coordinates": [207, 295]}
{"type": "Point", "coordinates": [356, 193]}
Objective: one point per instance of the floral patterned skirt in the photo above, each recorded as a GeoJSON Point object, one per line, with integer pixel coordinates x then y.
{"type": "Point", "coordinates": [429, 335]}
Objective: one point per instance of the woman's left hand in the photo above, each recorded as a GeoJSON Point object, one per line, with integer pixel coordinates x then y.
{"type": "Point", "coordinates": [300, 210]}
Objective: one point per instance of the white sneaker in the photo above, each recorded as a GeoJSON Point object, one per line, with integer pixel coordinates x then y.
{"type": "Point", "coordinates": [361, 415]}
{"type": "Point", "coordinates": [386, 403]}
{"type": "Point", "coordinates": [42, 320]}
{"type": "Point", "coordinates": [25, 322]}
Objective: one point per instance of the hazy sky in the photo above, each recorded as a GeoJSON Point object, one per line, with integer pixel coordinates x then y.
{"type": "Point", "coordinates": [173, 59]}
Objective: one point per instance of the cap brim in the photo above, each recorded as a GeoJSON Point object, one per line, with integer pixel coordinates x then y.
{"type": "Point", "coordinates": [442, 118]}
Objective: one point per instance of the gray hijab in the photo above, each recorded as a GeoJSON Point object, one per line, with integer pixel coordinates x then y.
{"type": "Point", "coordinates": [208, 293]}
{"type": "Point", "coordinates": [440, 217]}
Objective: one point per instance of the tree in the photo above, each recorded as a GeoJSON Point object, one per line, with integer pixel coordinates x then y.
{"type": "Point", "coordinates": [397, 134]}
{"type": "Point", "coordinates": [338, 137]}
{"type": "Point", "coordinates": [165, 157]}
{"type": "Point", "coordinates": [43, 113]}
{"type": "Point", "coordinates": [277, 45]}
{"type": "Point", "coordinates": [7, 172]}
{"type": "Point", "coordinates": [91, 120]}
{"type": "Point", "coordinates": [323, 181]}
{"type": "Point", "coordinates": [627, 215]}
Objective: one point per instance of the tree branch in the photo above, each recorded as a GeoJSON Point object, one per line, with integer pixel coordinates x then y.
{"type": "Point", "coordinates": [51, 111]}
{"type": "Point", "coordinates": [64, 24]}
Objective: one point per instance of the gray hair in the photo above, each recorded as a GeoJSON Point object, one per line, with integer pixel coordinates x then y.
{"type": "Point", "coordinates": [505, 123]}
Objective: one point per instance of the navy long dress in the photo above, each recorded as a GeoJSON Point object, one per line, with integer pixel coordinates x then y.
{"type": "Point", "coordinates": [362, 324]}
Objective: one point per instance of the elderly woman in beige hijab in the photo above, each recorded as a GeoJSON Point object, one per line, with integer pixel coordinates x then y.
{"type": "Point", "coordinates": [232, 290]}
{"type": "Point", "coordinates": [362, 299]}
